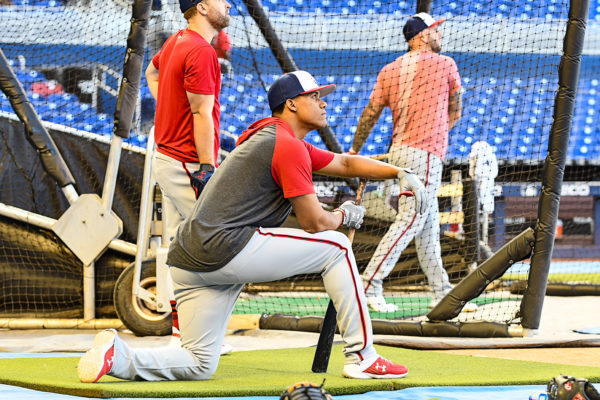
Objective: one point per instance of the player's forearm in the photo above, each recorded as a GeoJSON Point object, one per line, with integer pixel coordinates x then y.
{"type": "Point", "coordinates": [453, 118]}
{"type": "Point", "coordinates": [367, 121]}
{"type": "Point", "coordinates": [324, 222]}
{"type": "Point", "coordinates": [454, 109]}
{"type": "Point", "coordinates": [365, 167]}
{"type": "Point", "coordinates": [204, 138]}
{"type": "Point", "coordinates": [152, 79]}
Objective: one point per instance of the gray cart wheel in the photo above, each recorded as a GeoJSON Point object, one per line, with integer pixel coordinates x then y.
{"type": "Point", "coordinates": [137, 315]}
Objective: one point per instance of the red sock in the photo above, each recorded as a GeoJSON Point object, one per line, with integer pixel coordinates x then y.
{"type": "Point", "coordinates": [175, 331]}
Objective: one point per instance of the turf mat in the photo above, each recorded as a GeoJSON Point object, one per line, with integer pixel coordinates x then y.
{"type": "Point", "coordinates": [268, 372]}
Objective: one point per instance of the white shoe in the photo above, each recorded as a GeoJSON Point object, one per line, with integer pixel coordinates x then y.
{"type": "Point", "coordinates": [98, 361]}
{"type": "Point", "coordinates": [470, 307]}
{"type": "Point", "coordinates": [375, 368]}
{"type": "Point", "coordinates": [378, 304]}
{"type": "Point", "coordinates": [226, 348]}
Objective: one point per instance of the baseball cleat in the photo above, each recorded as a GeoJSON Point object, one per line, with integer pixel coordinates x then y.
{"type": "Point", "coordinates": [378, 304]}
{"type": "Point", "coordinates": [375, 368]}
{"type": "Point", "coordinates": [98, 361]}
{"type": "Point", "coordinates": [226, 348]}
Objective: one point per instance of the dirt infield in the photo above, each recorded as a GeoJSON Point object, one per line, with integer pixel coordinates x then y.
{"type": "Point", "coordinates": [581, 356]}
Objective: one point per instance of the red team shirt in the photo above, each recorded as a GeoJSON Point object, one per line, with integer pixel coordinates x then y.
{"type": "Point", "coordinates": [186, 62]}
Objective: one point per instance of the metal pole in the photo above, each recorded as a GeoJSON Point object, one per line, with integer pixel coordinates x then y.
{"type": "Point", "coordinates": [145, 219]}
{"type": "Point", "coordinates": [112, 169]}
{"type": "Point", "coordinates": [89, 292]}
{"type": "Point", "coordinates": [424, 6]}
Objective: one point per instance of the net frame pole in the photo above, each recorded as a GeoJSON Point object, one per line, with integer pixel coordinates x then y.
{"type": "Point", "coordinates": [424, 6]}
{"type": "Point", "coordinates": [554, 165]}
{"type": "Point", "coordinates": [128, 94]}
{"type": "Point", "coordinates": [287, 64]}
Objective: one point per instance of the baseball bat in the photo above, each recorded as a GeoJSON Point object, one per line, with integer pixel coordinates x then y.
{"type": "Point", "coordinates": [379, 157]}
{"type": "Point", "coordinates": [323, 351]}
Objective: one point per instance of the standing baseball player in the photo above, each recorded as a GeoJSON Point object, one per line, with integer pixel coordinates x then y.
{"type": "Point", "coordinates": [187, 112]}
{"type": "Point", "coordinates": [235, 237]}
{"type": "Point", "coordinates": [423, 90]}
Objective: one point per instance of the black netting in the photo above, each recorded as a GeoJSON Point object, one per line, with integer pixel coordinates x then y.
{"type": "Point", "coordinates": [68, 55]}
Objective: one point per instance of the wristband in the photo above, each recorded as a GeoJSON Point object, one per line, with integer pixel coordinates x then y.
{"type": "Point", "coordinates": [343, 216]}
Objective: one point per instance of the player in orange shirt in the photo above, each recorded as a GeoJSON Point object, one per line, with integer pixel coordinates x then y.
{"type": "Point", "coordinates": [423, 90]}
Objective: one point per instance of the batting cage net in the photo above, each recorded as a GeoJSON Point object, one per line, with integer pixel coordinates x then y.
{"type": "Point", "coordinates": [490, 73]}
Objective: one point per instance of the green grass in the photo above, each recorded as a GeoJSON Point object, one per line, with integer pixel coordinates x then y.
{"type": "Point", "coordinates": [586, 278]}
{"type": "Point", "coordinates": [268, 372]}
{"type": "Point", "coordinates": [408, 306]}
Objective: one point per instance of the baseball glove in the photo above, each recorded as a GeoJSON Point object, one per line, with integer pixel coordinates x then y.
{"type": "Point", "coordinates": [570, 388]}
{"type": "Point", "coordinates": [305, 391]}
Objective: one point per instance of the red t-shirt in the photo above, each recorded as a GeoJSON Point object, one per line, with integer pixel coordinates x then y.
{"type": "Point", "coordinates": [186, 62]}
{"type": "Point", "coordinates": [294, 162]}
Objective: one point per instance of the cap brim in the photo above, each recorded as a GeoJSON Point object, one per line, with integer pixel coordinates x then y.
{"type": "Point", "coordinates": [439, 21]}
{"type": "Point", "coordinates": [323, 90]}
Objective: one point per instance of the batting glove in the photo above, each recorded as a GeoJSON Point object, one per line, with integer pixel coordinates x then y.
{"type": "Point", "coordinates": [411, 185]}
{"type": "Point", "coordinates": [353, 214]}
{"type": "Point", "coordinates": [199, 178]}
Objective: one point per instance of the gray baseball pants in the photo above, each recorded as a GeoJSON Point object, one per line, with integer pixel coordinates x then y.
{"type": "Point", "coordinates": [206, 300]}
{"type": "Point", "coordinates": [178, 197]}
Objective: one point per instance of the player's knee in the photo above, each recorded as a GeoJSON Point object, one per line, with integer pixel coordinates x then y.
{"type": "Point", "coordinates": [206, 363]}
{"type": "Point", "coordinates": [342, 240]}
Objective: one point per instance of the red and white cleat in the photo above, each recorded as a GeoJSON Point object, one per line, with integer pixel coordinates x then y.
{"type": "Point", "coordinates": [226, 348]}
{"type": "Point", "coordinates": [375, 368]}
{"type": "Point", "coordinates": [98, 361]}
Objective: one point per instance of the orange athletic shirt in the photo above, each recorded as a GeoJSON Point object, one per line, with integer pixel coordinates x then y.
{"type": "Point", "coordinates": [424, 125]}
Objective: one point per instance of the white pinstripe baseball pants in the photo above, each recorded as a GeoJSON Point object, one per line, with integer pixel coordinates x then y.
{"type": "Point", "coordinates": [206, 300]}
{"type": "Point", "coordinates": [425, 228]}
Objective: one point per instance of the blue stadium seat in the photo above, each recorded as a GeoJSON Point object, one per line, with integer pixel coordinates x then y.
{"type": "Point", "coordinates": [28, 77]}
{"type": "Point", "coordinates": [5, 103]}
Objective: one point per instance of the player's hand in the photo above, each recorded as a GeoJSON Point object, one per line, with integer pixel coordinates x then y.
{"type": "Point", "coordinates": [353, 214]}
{"type": "Point", "coordinates": [199, 178]}
{"type": "Point", "coordinates": [409, 182]}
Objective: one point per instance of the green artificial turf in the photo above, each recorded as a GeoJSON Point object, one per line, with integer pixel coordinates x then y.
{"type": "Point", "coordinates": [575, 277]}
{"type": "Point", "coordinates": [268, 372]}
{"type": "Point", "coordinates": [408, 306]}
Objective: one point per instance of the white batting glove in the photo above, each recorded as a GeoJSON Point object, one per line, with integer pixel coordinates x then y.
{"type": "Point", "coordinates": [353, 214]}
{"type": "Point", "coordinates": [408, 181]}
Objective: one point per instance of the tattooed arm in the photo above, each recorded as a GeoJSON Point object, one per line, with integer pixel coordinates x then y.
{"type": "Point", "coordinates": [367, 121]}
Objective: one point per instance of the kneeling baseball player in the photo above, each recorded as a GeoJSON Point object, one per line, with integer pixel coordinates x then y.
{"type": "Point", "coordinates": [235, 237]}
